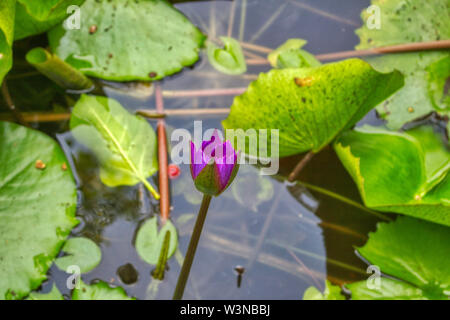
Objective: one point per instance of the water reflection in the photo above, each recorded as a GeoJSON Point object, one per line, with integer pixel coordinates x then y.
{"type": "Point", "coordinates": [285, 237]}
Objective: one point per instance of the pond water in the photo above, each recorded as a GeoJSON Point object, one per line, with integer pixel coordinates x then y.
{"type": "Point", "coordinates": [287, 237]}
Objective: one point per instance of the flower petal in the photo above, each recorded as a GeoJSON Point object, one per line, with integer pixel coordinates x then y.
{"type": "Point", "coordinates": [197, 161]}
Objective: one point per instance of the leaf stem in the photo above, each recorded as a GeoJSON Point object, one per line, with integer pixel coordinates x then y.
{"type": "Point", "coordinates": [300, 165]}
{"type": "Point", "coordinates": [9, 102]}
{"type": "Point", "coordinates": [189, 258]}
{"type": "Point", "coordinates": [343, 199]}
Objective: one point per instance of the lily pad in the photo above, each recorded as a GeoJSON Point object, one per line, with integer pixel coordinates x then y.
{"type": "Point", "coordinates": [290, 55]}
{"type": "Point", "coordinates": [54, 294]}
{"type": "Point", "coordinates": [82, 252]}
{"type": "Point", "coordinates": [229, 59]}
{"type": "Point", "coordinates": [149, 241]}
{"type": "Point", "coordinates": [331, 292]}
{"type": "Point", "coordinates": [404, 22]}
{"type": "Point", "coordinates": [309, 106]}
{"type": "Point", "coordinates": [399, 172]}
{"type": "Point", "coordinates": [99, 291]}
{"type": "Point", "coordinates": [124, 144]}
{"type": "Point", "coordinates": [37, 207]}
{"type": "Point", "coordinates": [129, 40]}
{"type": "Point", "coordinates": [413, 251]}
{"type": "Point", "coordinates": [7, 12]}
{"type": "Point", "coordinates": [34, 17]}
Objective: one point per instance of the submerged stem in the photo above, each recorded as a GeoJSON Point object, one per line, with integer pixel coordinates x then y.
{"type": "Point", "coordinates": [300, 165]}
{"type": "Point", "coordinates": [189, 258]}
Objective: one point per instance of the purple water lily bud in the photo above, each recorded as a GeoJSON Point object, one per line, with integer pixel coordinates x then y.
{"type": "Point", "coordinates": [214, 165]}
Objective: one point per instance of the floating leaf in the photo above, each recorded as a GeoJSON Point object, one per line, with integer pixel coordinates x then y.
{"type": "Point", "coordinates": [290, 55]}
{"type": "Point", "coordinates": [129, 40]}
{"type": "Point", "coordinates": [124, 144]}
{"type": "Point", "coordinates": [149, 241]}
{"type": "Point", "coordinates": [37, 207]}
{"type": "Point", "coordinates": [403, 22]}
{"type": "Point", "coordinates": [34, 17]}
{"type": "Point", "coordinates": [423, 93]}
{"type": "Point", "coordinates": [229, 59]}
{"type": "Point", "coordinates": [99, 291]}
{"type": "Point", "coordinates": [399, 172]}
{"type": "Point", "coordinates": [82, 252]}
{"type": "Point", "coordinates": [7, 12]}
{"type": "Point", "coordinates": [310, 106]}
{"type": "Point", "coordinates": [412, 250]}
{"type": "Point", "coordinates": [54, 294]}
{"type": "Point", "coordinates": [331, 292]}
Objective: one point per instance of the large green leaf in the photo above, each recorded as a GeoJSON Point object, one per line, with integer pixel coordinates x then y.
{"type": "Point", "coordinates": [124, 144]}
{"type": "Point", "coordinates": [99, 291]}
{"type": "Point", "coordinates": [54, 294]}
{"type": "Point", "coordinates": [310, 106]}
{"type": "Point", "coordinates": [403, 22]}
{"type": "Point", "coordinates": [34, 17]}
{"type": "Point", "coordinates": [82, 252]}
{"type": "Point", "coordinates": [149, 241]}
{"type": "Point", "coordinates": [412, 250]}
{"type": "Point", "coordinates": [129, 40]}
{"type": "Point", "coordinates": [37, 207]}
{"type": "Point", "coordinates": [399, 172]}
{"type": "Point", "coordinates": [7, 12]}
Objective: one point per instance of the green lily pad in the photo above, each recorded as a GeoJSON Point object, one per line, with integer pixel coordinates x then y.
{"type": "Point", "coordinates": [99, 291]}
{"type": "Point", "coordinates": [290, 55]}
{"type": "Point", "coordinates": [229, 59]}
{"type": "Point", "coordinates": [129, 40]}
{"type": "Point", "coordinates": [423, 93]}
{"type": "Point", "coordinates": [309, 106]}
{"type": "Point", "coordinates": [82, 252]}
{"type": "Point", "coordinates": [149, 241]}
{"type": "Point", "coordinates": [37, 207]}
{"type": "Point", "coordinates": [413, 251]}
{"type": "Point", "coordinates": [7, 12]}
{"type": "Point", "coordinates": [404, 22]}
{"type": "Point", "coordinates": [34, 17]}
{"type": "Point", "coordinates": [124, 144]}
{"type": "Point", "coordinates": [399, 172]}
{"type": "Point", "coordinates": [54, 294]}
{"type": "Point", "coordinates": [331, 292]}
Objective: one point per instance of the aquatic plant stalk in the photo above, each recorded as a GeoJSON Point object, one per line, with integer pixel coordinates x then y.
{"type": "Point", "coordinates": [189, 258]}
{"type": "Point", "coordinates": [164, 201]}
{"type": "Point", "coordinates": [58, 70]}
{"type": "Point", "coordinates": [9, 102]}
{"type": "Point", "coordinates": [300, 165]}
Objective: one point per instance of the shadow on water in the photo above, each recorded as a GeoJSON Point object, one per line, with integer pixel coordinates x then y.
{"type": "Point", "coordinates": [285, 237]}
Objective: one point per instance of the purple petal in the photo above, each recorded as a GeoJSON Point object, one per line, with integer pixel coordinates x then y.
{"type": "Point", "coordinates": [197, 161]}
{"type": "Point", "coordinates": [226, 159]}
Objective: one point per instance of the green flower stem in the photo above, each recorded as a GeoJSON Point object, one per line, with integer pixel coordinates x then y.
{"type": "Point", "coordinates": [58, 70]}
{"type": "Point", "coordinates": [189, 258]}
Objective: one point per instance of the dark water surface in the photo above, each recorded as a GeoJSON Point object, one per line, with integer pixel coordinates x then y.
{"type": "Point", "coordinates": [286, 237]}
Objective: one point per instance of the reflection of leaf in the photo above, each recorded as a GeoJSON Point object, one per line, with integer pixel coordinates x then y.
{"type": "Point", "coordinates": [34, 17]}
{"type": "Point", "coordinates": [411, 250]}
{"type": "Point", "coordinates": [251, 189]}
{"type": "Point", "coordinates": [54, 294]}
{"type": "Point", "coordinates": [290, 55]}
{"type": "Point", "coordinates": [331, 292]}
{"type": "Point", "coordinates": [7, 11]}
{"type": "Point", "coordinates": [310, 106]}
{"type": "Point", "coordinates": [37, 207]}
{"type": "Point", "coordinates": [403, 22]}
{"type": "Point", "coordinates": [99, 291]}
{"type": "Point", "coordinates": [149, 241]}
{"type": "Point", "coordinates": [228, 59]}
{"type": "Point", "coordinates": [82, 252]}
{"type": "Point", "coordinates": [124, 144]}
{"type": "Point", "coordinates": [399, 172]}
{"type": "Point", "coordinates": [129, 40]}
{"type": "Point", "coordinates": [185, 185]}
